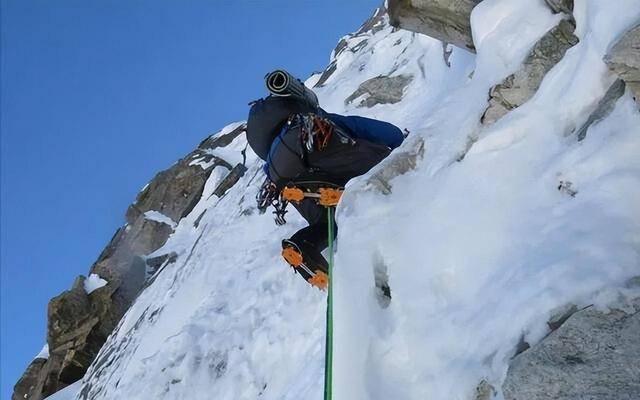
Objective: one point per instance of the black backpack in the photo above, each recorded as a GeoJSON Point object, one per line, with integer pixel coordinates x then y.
{"type": "Point", "coordinates": [343, 157]}
{"type": "Point", "coordinates": [340, 156]}
{"type": "Point", "coordinates": [267, 117]}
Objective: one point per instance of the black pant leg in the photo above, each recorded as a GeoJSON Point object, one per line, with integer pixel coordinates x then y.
{"type": "Point", "coordinates": [316, 234]}
{"type": "Point", "coordinates": [313, 239]}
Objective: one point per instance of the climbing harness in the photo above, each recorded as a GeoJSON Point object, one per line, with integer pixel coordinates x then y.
{"type": "Point", "coordinates": [325, 196]}
{"type": "Point", "coordinates": [268, 196]}
{"type": "Point", "coordinates": [328, 356]}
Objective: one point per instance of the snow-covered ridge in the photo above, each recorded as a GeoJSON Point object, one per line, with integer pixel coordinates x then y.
{"type": "Point", "coordinates": [478, 250]}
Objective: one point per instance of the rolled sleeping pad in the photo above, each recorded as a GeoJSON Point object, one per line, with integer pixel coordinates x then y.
{"type": "Point", "coordinates": [282, 83]}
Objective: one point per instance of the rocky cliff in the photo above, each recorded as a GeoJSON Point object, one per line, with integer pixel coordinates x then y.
{"type": "Point", "coordinates": [593, 354]}
{"type": "Point", "coordinates": [81, 319]}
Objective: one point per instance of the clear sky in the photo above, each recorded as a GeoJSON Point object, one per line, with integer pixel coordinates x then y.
{"type": "Point", "coordinates": [99, 96]}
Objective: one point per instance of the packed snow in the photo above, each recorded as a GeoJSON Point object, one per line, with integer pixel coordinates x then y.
{"type": "Point", "coordinates": [484, 249]}
{"type": "Point", "coordinates": [93, 282]}
{"type": "Point", "coordinates": [231, 154]}
{"type": "Point", "coordinates": [68, 393]}
{"type": "Point", "coordinates": [157, 216]}
{"type": "Point", "coordinates": [44, 353]}
{"type": "Point", "coordinates": [478, 252]}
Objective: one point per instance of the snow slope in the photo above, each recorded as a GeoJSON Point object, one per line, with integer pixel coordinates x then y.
{"type": "Point", "coordinates": [478, 252]}
{"type": "Point", "coordinates": [485, 248]}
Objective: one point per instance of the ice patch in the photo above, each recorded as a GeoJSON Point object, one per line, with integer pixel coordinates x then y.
{"type": "Point", "coordinates": [93, 282]}
{"type": "Point", "coordinates": [157, 216]}
{"type": "Point", "coordinates": [44, 353]}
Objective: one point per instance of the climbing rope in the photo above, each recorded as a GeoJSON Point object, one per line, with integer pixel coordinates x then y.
{"type": "Point", "coordinates": [328, 356]}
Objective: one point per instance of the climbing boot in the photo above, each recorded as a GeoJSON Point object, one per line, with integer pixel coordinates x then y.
{"type": "Point", "coordinates": [312, 268]}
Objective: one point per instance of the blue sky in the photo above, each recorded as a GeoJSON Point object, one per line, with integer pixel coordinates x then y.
{"type": "Point", "coordinates": [99, 96]}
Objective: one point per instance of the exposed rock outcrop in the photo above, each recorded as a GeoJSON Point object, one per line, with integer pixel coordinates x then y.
{"type": "Point", "coordinates": [560, 315]}
{"type": "Point", "coordinates": [445, 20]}
{"type": "Point", "coordinates": [154, 264]}
{"type": "Point", "coordinates": [78, 325]}
{"type": "Point", "coordinates": [624, 59]}
{"type": "Point", "coordinates": [80, 322]}
{"type": "Point", "coordinates": [28, 383]}
{"type": "Point", "coordinates": [354, 42]}
{"type": "Point", "coordinates": [560, 6]}
{"type": "Point", "coordinates": [594, 354]}
{"type": "Point", "coordinates": [484, 391]}
{"type": "Point", "coordinates": [398, 163]}
{"type": "Point", "coordinates": [604, 107]}
{"type": "Point", "coordinates": [380, 90]}
{"type": "Point", "coordinates": [519, 87]}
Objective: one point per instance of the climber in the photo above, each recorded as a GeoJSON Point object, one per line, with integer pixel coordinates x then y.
{"type": "Point", "coordinates": [310, 155]}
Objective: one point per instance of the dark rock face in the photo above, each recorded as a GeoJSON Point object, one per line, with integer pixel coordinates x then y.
{"type": "Point", "coordinates": [371, 26]}
{"type": "Point", "coordinates": [484, 391]}
{"type": "Point", "coordinates": [605, 106]}
{"type": "Point", "coordinates": [561, 315]}
{"type": "Point", "coordinates": [398, 163]}
{"type": "Point", "coordinates": [380, 90]}
{"type": "Point", "coordinates": [560, 6]}
{"type": "Point", "coordinates": [446, 20]}
{"type": "Point", "coordinates": [155, 263]}
{"type": "Point", "coordinates": [69, 314]}
{"type": "Point", "coordinates": [593, 355]}
{"type": "Point", "coordinates": [519, 87]}
{"type": "Point", "coordinates": [624, 59]}
{"type": "Point", "coordinates": [79, 323]}
{"type": "Point", "coordinates": [27, 385]}
{"type": "Point", "coordinates": [230, 180]}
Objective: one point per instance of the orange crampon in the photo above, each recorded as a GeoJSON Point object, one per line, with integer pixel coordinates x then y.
{"type": "Point", "coordinates": [292, 256]}
{"type": "Point", "coordinates": [319, 280]}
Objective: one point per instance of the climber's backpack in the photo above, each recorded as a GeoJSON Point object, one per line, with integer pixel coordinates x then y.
{"type": "Point", "coordinates": [267, 117]}
{"type": "Point", "coordinates": [304, 144]}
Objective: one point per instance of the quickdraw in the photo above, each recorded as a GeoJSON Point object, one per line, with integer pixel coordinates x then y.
{"type": "Point", "coordinates": [327, 197]}
{"type": "Point", "coordinates": [268, 196]}
{"type": "Point", "coordinates": [315, 131]}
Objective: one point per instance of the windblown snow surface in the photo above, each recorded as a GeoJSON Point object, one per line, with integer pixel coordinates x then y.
{"type": "Point", "coordinates": [478, 249]}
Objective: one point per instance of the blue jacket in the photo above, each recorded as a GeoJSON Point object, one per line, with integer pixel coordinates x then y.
{"type": "Point", "coordinates": [370, 129]}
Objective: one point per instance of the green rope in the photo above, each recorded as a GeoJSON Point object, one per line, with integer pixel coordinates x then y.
{"type": "Point", "coordinates": [328, 355]}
